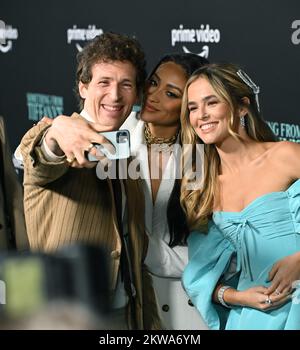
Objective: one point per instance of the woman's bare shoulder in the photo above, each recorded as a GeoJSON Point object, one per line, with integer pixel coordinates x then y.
{"type": "Point", "coordinates": [286, 148]}
{"type": "Point", "coordinates": [287, 154]}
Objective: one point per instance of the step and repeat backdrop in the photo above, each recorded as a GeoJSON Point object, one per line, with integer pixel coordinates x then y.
{"type": "Point", "coordinates": [39, 41]}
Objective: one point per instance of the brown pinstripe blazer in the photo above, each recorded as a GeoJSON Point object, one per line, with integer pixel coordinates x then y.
{"type": "Point", "coordinates": [64, 205]}
{"type": "Point", "coordinates": [11, 199]}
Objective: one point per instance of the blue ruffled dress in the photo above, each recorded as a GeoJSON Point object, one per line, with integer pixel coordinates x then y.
{"type": "Point", "coordinates": [267, 230]}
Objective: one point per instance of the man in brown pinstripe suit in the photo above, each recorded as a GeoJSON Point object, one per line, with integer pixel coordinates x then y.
{"type": "Point", "coordinates": [64, 200]}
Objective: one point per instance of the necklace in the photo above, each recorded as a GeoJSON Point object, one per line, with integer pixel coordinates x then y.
{"type": "Point", "coordinates": [160, 144]}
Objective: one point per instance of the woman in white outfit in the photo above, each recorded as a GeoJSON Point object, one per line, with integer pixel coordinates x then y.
{"type": "Point", "coordinates": [154, 132]}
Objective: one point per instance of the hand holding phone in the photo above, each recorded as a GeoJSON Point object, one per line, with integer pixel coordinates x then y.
{"type": "Point", "coordinates": [120, 139]}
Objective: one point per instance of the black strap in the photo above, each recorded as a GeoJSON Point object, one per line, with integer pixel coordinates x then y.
{"type": "Point", "coordinates": [125, 268]}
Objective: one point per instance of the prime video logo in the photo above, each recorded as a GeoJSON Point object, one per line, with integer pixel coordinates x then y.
{"type": "Point", "coordinates": [2, 292]}
{"type": "Point", "coordinates": [203, 34]}
{"type": "Point", "coordinates": [7, 35]}
{"type": "Point", "coordinates": [82, 34]}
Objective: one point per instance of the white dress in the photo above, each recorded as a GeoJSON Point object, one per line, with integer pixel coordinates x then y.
{"type": "Point", "coordinates": [166, 264]}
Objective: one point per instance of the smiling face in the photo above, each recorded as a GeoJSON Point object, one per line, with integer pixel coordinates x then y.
{"type": "Point", "coordinates": [164, 94]}
{"type": "Point", "coordinates": [111, 93]}
{"type": "Point", "coordinates": [208, 113]}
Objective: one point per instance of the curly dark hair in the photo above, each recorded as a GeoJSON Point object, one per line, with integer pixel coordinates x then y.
{"type": "Point", "coordinates": [109, 47]}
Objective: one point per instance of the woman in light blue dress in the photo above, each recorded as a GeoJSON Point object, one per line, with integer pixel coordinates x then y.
{"type": "Point", "coordinates": [246, 213]}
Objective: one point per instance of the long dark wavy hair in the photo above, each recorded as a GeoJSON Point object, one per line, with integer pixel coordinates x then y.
{"type": "Point", "coordinates": [177, 222]}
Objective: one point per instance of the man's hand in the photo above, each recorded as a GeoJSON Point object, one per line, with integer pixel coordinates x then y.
{"type": "Point", "coordinates": [73, 137]}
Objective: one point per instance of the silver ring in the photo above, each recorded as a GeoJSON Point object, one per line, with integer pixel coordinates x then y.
{"type": "Point", "coordinates": [268, 301]}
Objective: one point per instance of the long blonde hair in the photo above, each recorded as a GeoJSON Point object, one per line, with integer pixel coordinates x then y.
{"type": "Point", "coordinates": [223, 77]}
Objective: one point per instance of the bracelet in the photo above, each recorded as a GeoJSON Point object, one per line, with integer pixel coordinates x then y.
{"type": "Point", "coordinates": [221, 296]}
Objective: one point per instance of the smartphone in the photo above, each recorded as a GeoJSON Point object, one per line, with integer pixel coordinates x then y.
{"type": "Point", "coordinates": [121, 141]}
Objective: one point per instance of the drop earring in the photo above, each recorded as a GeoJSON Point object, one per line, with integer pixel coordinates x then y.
{"type": "Point", "coordinates": [243, 121]}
